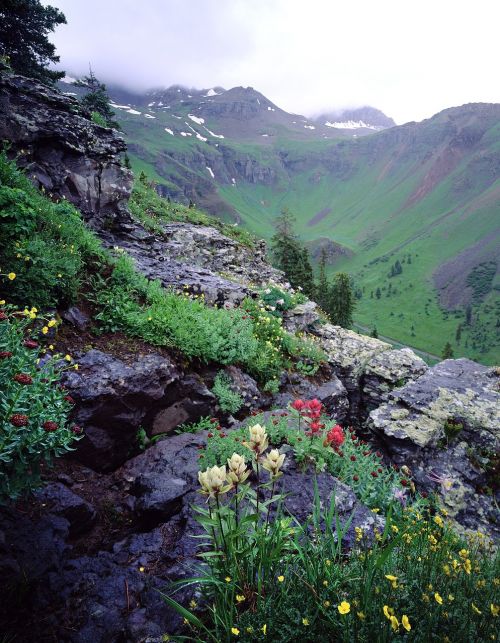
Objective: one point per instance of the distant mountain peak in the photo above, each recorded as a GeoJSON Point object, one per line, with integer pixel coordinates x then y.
{"type": "Point", "coordinates": [357, 118]}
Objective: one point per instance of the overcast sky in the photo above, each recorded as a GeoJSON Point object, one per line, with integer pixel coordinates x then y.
{"type": "Point", "coordinates": [409, 58]}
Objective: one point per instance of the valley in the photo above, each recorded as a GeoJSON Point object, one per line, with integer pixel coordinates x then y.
{"type": "Point", "coordinates": [426, 195]}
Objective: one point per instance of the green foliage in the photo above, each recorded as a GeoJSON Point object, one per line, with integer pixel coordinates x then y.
{"type": "Point", "coordinates": [205, 423]}
{"type": "Point", "coordinates": [480, 279]}
{"type": "Point", "coordinates": [96, 100]}
{"type": "Point", "coordinates": [24, 29]}
{"type": "Point", "coordinates": [447, 351]}
{"type": "Point", "coordinates": [45, 244]}
{"type": "Point", "coordinates": [342, 304]}
{"type": "Point", "coordinates": [152, 210]}
{"type": "Point", "coordinates": [267, 576]}
{"type": "Point", "coordinates": [30, 401]}
{"type": "Point", "coordinates": [229, 400]}
{"type": "Point", "coordinates": [279, 301]}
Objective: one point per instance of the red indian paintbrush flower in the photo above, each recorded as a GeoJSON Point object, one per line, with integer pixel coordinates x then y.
{"type": "Point", "coordinates": [3, 315]}
{"type": "Point", "coordinates": [30, 343]}
{"type": "Point", "coordinates": [298, 405]}
{"type": "Point", "coordinates": [335, 437]}
{"type": "Point", "coordinates": [5, 354]}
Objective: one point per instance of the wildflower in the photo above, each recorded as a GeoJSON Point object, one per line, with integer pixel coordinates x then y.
{"type": "Point", "coordinates": [334, 437]}
{"type": "Point", "coordinates": [19, 419]}
{"type": "Point", "coordinates": [240, 598]}
{"type": "Point", "coordinates": [463, 553]}
{"type": "Point", "coordinates": [392, 579]}
{"type": "Point", "coordinates": [273, 462]}
{"type": "Point", "coordinates": [374, 474]}
{"type": "Point", "coordinates": [476, 609]}
{"type": "Point", "coordinates": [30, 343]}
{"type": "Point", "coordinates": [228, 579]}
{"type": "Point", "coordinates": [141, 569]}
{"type": "Point", "coordinates": [258, 439]}
{"type": "Point", "coordinates": [23, 378]}
{"type": "Point", "coordinates": [394, 529]}
{"type": "Point", "coordinates": [212, 481]}
{"type": "Point", "coordinates": [5, 354]}
{"type": "Point", "coordinates": [45, 330]}
{"type": "Point", "coordinates": [451, 597]}
{"type": "Point", "coordinates": [439, 521]}
{"type": "Point", "coordinates": [359, 533]}
{"type": "Point", "coordinates": [3, 316]}
{"type": "Point", "coordinates": [69, 399]}
{"type": "Point", "coordinates": [325, 583]}
{"type": "Point", "coordinates": [11, 276]}
{"type": "Point", "coordinates": [52, 323]}
{"type": "Point", "coordinates": [355, 478]}
{"type": "Point", "coordinates": [50, 426]}
{"type": "Point", "coordinates": [77, 430]}
{"type": "Point", "coordinates": [264, 629]}
{"type": "Point", "coordinates": [387, 614]}
{"type": "Point", "coordinates": [394, 623]}
{"type": "Point", "coordinates": [298, 405]}
{"type": "Point", "coordinates": [328, 562]}
{"type": "Point", "coordinates": [495, 609]}
{"type": "Point", "coordinates": [238, 471]}
{"type": "Point", "coordinates": [467, 566]}
{"type": "Point", "coordinates": [446, 569]}
{"type": "Point", "coordinates": [344, 608]}
{"type": "Point", "coordinates": [405, 623]}
{"type": "Point", "coordinates": [361, 615]}
{"type": "Point", "coordinates": [281, 579]}
{"type": "Point", "coordinates": [438, 598]}
{"type": "Point", "coordinates": [67, 358]}
{"type": "Point", "coordinates": [305, 621]}
{"type": "Point", "coordinates": [235, 631]}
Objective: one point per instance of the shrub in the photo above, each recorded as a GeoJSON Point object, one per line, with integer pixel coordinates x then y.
{"type": "Point", "coordinates": [229, 400]}
{"type": "Point", "coordinates": [33, 408]}
{"type": "Point", "coordinates": [45, 244]}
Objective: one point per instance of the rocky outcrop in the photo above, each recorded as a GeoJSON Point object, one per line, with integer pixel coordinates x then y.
{"type": "Point", "coordinates": [197, 259]}
{"type": "Point", "coordinates": [368, 367]}
{"type": "Point", "coordinates": [445, 426]}
{"type": "Point", "coordinates": [63, 151]}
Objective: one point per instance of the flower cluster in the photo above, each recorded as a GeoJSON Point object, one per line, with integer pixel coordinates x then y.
{"type": "Point", "coordinates": [310, 411]}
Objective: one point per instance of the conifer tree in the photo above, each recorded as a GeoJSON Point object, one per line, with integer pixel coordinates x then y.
{"type": "Point", "coordinates": [24, 29]}
{"type": "Point", "coordinates": [322, 290]}
{"type": "Point", "coordinates": [342, 301]}
{"type": "Point", "coordinates": [96, 100]}
{"type": "Point", "coordinates": [447, 351]}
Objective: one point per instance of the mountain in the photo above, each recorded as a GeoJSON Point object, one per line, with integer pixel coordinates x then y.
{"type": "Point", "coordinates": [359, 119]}
{"type": "Point", "coordinates": [426, 195]}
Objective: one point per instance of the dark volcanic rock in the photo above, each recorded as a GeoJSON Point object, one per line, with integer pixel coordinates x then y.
{"type": "Point", "coordinates": [65, 152]}
{"type": "Point", "coordinates": [63, 502]}
{"type": "Point", "coordinates": [112, 400]}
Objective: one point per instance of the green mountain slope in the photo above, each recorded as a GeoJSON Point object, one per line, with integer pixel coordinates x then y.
{"type": "Point", "coordinates": [424, 194]}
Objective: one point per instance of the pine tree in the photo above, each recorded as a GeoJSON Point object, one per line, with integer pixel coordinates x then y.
{"type": "Point", "coordinates": [96, 100]}
{"type": "Point", "coordinates": [458, 334]}
{"type": "Point", "coordinates": [304, 275]}
{"type": "Point", "coordinates": [374, 332]}
{"type": "Point", "coordinates": [447, 351]}
{"type": "Point", "coordinates": [24, 29]}
{"type": "Point", "coordinates": [378, 293]}
{"type": "Point", "coordinates": [287, 250]}
{"type": "Point", "coordinates": [322, 290]}
{"type": "Point", "coordinates": [342, 301]}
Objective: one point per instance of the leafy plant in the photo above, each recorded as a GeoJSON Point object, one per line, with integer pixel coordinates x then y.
{"type": "Point", "coordinates": [229, 400]}
{"type": "Point", "coordinates": [34, 410]}
{"type": "Point", "coordinates": [205, 423]}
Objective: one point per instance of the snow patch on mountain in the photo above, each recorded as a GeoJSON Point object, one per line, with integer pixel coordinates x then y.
{"type": "Point", "coordinates": [210, 171]}
{"type": "Point", "coordinates": [353, 125]}
{"type": "Point", "coordinates": [212, 134]}
{"type": "Point", "coordinates": [196, 119]}
{"type": "Point", "coordinates": [211, 92]}
{"type": "Point", "coordinates": [169, 131]}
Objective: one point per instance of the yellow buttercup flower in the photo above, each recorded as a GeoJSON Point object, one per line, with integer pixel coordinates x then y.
{"type": "Point", "coordinates": [45, 330]}
{"type": "Point", "coordinates": [193, 604]}
{"type": "Point", "coordinates": [264, 629]}
{"type": "Point", "coordinates": [325, 583]}
{"type": "Point", "coordinates": [281, 579]}
{"type": "Point", "coordinates": [392, 579]}
{"type": "Point", "coordinates": [439, 521]}
{"type": "Point", "coordinates": [344, 607]}
{"type": "Point", "coordinates": [438, 598]}
{"type": "Point", "coordinates": [240, 598]}
{"type": "Point", "coordinates": [326, 603]}
{"type": "Point", "coordinates": [467, 566]}
{"type": "Point", "coordinates": [361, 616]}
{"type": "Point", "coordinates": [67, 358]}
{"type": "Point", "coordinates": [405, 623]}
{"type": "Point", "coordinates": [228, 579]}
{"type": "Point", "coordinates": [51, 323]}
{"type": "Point", "coordinates": [305, 621]}
{"type": "Point", "coordinates": [11, 276]}
{"type": "Point", "coordinates": [385, 609]}
{"type": "Point", "coordinates": [463, 553]}
{"type": "Point", "coordinates": [235, 631]}
{"type": "Point", "coordinates": [476, 609]}
{"type": "Point", "coordinates": [394, 623]}
{"type": "Point", "coordinates": [495, 609]}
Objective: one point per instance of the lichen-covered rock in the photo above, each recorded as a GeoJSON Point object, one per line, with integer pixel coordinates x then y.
{"type": "Point", "coordinates": [368, 367]}
{"type": "Point", "coordinates": [446, 427]}
{"type": "Point", "coordinates": [197, 259]}
{"type": "Point", "coordinates": [65, 153]}
{"type": "Point", "coordinates": [301, 318]}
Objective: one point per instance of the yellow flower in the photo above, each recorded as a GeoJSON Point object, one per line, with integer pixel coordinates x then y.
{"type": "Point", "coordinates": [467, 566]}
{"type": "Point", "coordinates": [11, 276]}
{"type": "Point", "coordinates": [273, 463]}
{"type": "Point", "coordinates": [264, 629]}
{"type": "Point", "coordinates": [328, 562]}
{"type": "Point", "coordinates": [76, 367]}
{"type": "Point", "coordinates": [394, 623]}
{"type": "Point", "coordinates": [2, 302]}
{"type": "Point", "coordinates": [495, 609]}
{"type": "Point", "coordinates": [193, 604]}
{"type": "Point", "coordinates": [439, 521]}
{"type": "Point", "coordinates": [141, 569]}
{"type": "Point", "coordinates": [228, 579]}
{"type": "Point", "coordinates": [258, 439]}
{"type": "Point", "coordinates": [446, 569]}
{"type": "Point", "coordinates": [51, 323]}
{"type": "Point", "coordinates": [477, 610]}
{"type": "Point", "coordinates": [326, 603]}
{"type": "Point", "coordinates": [240, 598]}
{"type": "Point", "coordinates": [238, 471]}
{"type": "Point", "coordinates": [235, 631]}
{"type": "Point", "coordinates": [51, 347]}
{"type": "Point", "coordinates": [325, 583]}
{"type": "Point", "coordinates": [281, 579]}
{"type": "Point", "coordinates": [393, 580]}
{"type": "Point", "coordinates": [45, 330]}
{"type": "Point", "coordinates": [438, 598]}
{"type": "Point", "coordinates": [67, 358]}
{"type": "Point", "coordinates": [305, 621]}
{"type": "Point", "coordinates": [375, 510]}
{"type": "Point", "coordinates": [344, 607]}
{"type": "Point", "coordinates": [394, 529]}
{"type": "Point", "coordinates": [386, 612]}
{"type": "Point", "coordinates": [451, 597]}
{"type": "Point", "coordinates": [405, 623]}
{"type": "Point", "coordinates": [463, 553]}
{"type": "Point", "coordinates": [361, 616]}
